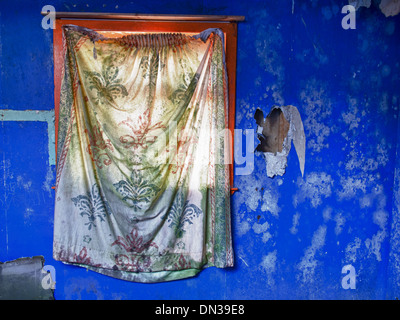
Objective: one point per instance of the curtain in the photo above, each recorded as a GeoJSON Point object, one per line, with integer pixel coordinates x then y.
{"type": "Point", "coordinates": [142, 186]}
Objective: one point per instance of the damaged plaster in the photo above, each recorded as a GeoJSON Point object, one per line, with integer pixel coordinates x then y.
{"type": "Point", "coordinates": [276, 133]}
{"type": "Point", "coordinates": [388, 7]}
{"type": "Point", "coordinates": [22, 279]}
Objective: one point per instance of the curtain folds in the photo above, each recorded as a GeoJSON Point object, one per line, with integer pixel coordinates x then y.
{"type": "Point", "coordinates": [142, 188]}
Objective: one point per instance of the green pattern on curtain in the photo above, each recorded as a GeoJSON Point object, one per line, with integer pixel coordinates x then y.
{"type": "Point", "coordinates": [142, 190]}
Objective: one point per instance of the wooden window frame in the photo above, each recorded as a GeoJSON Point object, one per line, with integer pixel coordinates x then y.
{"type": "Point", "coordinates": [151, 23]}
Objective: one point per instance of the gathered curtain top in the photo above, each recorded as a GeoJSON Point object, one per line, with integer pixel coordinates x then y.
{"type": "Point", "coordinates": [151, 40]}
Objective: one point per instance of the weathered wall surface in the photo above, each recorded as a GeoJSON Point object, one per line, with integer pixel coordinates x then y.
{"type": "Point", "coordinates": [293, 234]}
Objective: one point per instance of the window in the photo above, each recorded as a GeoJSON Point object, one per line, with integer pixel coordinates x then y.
{"type": "Point", "coordinates": [130, 95]}
{"type": "Point", "coordinates": [104, 23]}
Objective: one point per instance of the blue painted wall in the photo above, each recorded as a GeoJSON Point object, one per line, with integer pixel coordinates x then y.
{"type": "Point", "coordinates": [292, 234]}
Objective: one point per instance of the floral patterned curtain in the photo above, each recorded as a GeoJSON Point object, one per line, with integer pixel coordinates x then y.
{"type": "Point", "coordinates": [142, 190]}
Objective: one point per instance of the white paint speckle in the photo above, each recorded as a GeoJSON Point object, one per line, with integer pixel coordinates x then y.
{"type": "Point", "coordinates": [248, 193]}
{"type": "Point", "coordinates": [361, 170]}
{"type": "Point", "coordinates": [47, 184]}
{"type": "Point", "coordinates": [268, 265]}
{"type": "Point", "coordinates": [340, 222]}
{"type": "Point", "coordinates": [351, 250]}
{"type": "Point", "coordinates": [295, 223]}
{"type": "Point", "coordinates": [270, 202]}
{"type": "Point", "coordinates": [25, 184]}
{"type": "Point", "coordinates": [374, 244]}
{"type": "Point", "coordinates": [268, 52]}
{"type": "Point", "coordinates": [380, 218]}
{"type": "Point", "coordinates": [327, 214]}
{"type": "Point", "coordinates": [394, 258]}
{"type": "Point", "coordinates": [309, 263]}
{"type": "Point", "coordinates": [262, 228]}
{"type": "Point", "coordinates": [28, 214]}
{"type": "Point", "coordinates": [269, 262]}
{"type": "Point", "coordinates": [315, 187]}
{"type": "Point", "coordinates": [351, 118]}
{"type": "Point", "coordinates": [242, 227]}
{"type": "Point", "coordinates": [318, 110]}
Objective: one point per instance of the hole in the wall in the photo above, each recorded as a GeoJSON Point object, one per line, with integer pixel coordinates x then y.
{"type": "Point", "coordinates": [275, 128]}
{"type": "Point", "coordinates": [276, 133]}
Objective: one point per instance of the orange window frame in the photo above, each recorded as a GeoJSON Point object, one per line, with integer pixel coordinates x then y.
{"type": "Point", "coordinates": [228, 28]}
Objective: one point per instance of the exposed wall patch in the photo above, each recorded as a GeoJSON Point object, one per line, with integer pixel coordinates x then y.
{"type": "Point", "coordinates": [35, 115]}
